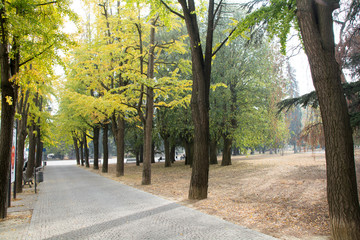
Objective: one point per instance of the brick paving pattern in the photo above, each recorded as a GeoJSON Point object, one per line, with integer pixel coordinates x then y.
{"type": "Point", "coordinates": [76, 204]}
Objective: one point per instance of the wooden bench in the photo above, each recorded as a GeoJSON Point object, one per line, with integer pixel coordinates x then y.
{"type": "Point", "coordinates": [27, 181]}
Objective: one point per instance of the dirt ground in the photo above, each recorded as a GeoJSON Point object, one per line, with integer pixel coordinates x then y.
{"type": "Point", "coordinates": [283, 196]}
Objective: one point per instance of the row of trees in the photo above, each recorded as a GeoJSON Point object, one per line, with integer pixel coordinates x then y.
{"type": "Point", "coordinates": [132, 58]}
{"type": "Point", "coordinates": [313, 20]}
{"type": "Point", "coordinates": [30, 38]}
{"type": "Point", "coordinates": [112, 71]}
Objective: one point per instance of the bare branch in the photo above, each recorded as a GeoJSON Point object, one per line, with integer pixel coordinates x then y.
{"type": "Point", "coordinates": [47, 3]}
{"type": "Point", "coordinates": [171, 10]}
{"type": "Point", "coordinates": [225, 40]}
{"type": "Point", "coordinates": [36, 55]}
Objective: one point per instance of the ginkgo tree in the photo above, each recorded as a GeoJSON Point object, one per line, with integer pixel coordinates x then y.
{"type": "Point", "coordinates": [29, 29]}
{"type": "Point", "coordinates": [114, 62]}
{"type": "Point", "coordinates": [35, 91]}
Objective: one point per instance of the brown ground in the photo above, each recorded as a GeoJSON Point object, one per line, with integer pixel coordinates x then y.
{"type": "Point", "coordinates": [283, 196]}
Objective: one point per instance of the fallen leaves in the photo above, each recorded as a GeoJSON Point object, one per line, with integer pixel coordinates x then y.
{"type": "Point", "coordinates": [284, 196]}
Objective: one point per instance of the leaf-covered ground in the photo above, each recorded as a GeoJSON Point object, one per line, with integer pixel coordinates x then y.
{"type": "Point", "coordinates": [280, 195]}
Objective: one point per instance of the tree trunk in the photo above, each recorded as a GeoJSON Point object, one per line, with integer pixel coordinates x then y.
{"type": "Point", "coordinates": [148, 121]}
{"type": "Point", "coordinates": [146, 176]}
{"type": "Point", "coordinates": [137, 156]}
{"type": "Point", "coordinates": [39, 151]}
{"type": "Point", "coordinates": [167, 151]}
{"type": "Point", "coordinates": [96, 136]}
{"type": "Point", "coordinates": [152, 151]}
{"type": "Point", "coordinates": [6, 135]}
{"type": "Point", "coordinates": [142, 153]}
{"type": "Point", "coordinates": [32, 147]}
{"type": "Point", "coordinates": [172, 153]}
{"type": "Point", "coordinates": [8, 93]}
{"type": "Point", "coordinates": [295, 148]}
{"type": "Point", "coordinates": [226, 157]}
{"type": "Point", "coordinates": [201, 70]}
{"type": "Point", "coordinates": [39, 144]}
{"type": "Point", "coordinates": [82, 152]}
{"type": "Point", "coordinates": [120, 145]}
{"type": "Point", "coordinates": [189, 152]}
{"type": "Point", "coordinates": [86, 151]}
{"type": "Point", "coordinates": [213, 152]}
{"type": "Point", "coordinates": [76, 148]}
{"type": "Point", "coordinates": [315, 21]}
{"type": "Point", "coordinates": [105, 148]}
{"type": "Point", "coordinates": [21, 137]}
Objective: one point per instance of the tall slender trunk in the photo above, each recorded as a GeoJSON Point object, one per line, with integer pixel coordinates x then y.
{"type": "Point", "coordinates": [141, 149]}
{"type": "Point", "coordinates": [96, 136]}
{"type": "Point", "coordinates": [316, 26]}
{"type": "Point", "coordinates": [167, 151]}
{"type": "Point", "coordinates": [86, 151]}
{"type": "Point", "coordinates": [226, 157]}
{"type": "Point", "coordinates": [213, 151]}
{"type": "Point", "coordinates": [118, 127]}
{"type": "Point", "coordinates": [152, 151]}
{"type": "Point", "coordinates": [189, 152]}
{"type": "Point", "coordinates": [149, 112]}
{"type": "Point", "coordinates": [76, 148]}
{"type": "Point", "coordinates": [20, 156]}
{"type": "Point", "coordinates": [39, 152]}
{"type": "Point", "coordinates": [21, 137]}
{"type": "Point", "coordinates": [120, 149]}
{"type": "Point", "coordinates": [172, 152]}
{"type": "Point", "coordinates": [105, 148]}
{"type": "Point", "coordinates": [137, 156]}
{"type": "Point", "coordinates": [201, 70]}
{"type": "Point", "coordinates": [82, 152]}
{"type": "Point", "coordinates": [39, 144]}
{"type": "Point", "coordinates": [32, 147]}
{"type": "Point", "coordinates": [8, 100]}
{"type": "Point", "coordinates": [146, 175]}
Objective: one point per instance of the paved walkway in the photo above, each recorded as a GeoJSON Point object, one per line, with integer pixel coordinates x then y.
{"type": "Point", "coordinates": [76, 204]}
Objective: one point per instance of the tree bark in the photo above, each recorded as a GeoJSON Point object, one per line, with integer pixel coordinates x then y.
{"type": "Point", "coordinates": [213, 151]}
{"type": "Point", "coordinates": [21, 137]}
{"type": "Point", "coordinates": [146, 174]}
{"type": "Point", "coordinates": [226, 157]}
{"type": "Point", "coordinates": [76, 148]}
{"type": "Point", "coordinates": [96, 130]}
{"type": "Point", "coordinates": [201, 70]}
{"type": "Point", "coordinates": [149, 112]}
{"type": "Point", "coordinates": [32, 147]}
{"type": "Point", "coordinates": [120, 145]}
{"type": "Point", "coordinates": [82, 152]}
{"type": "Point", "coordinates": [189, 152]}
{"type": "Point", "coordinates": [39, 151]}
{"type": "Point", "coordinates": [141, 153]}
{"type": "Point", "coordinates": [152, 151]}
{"type": "Point", "coordinates": [105, 148]}
{"type": "Point", "coordinates": [315, 21]}
{"type": "Point", "coordinates": [8, 92]}
{"type": "Point", "coordinates": [172, 153]}
{"type": "Point", "coordinates": [167, 151]}
{"type": "Point", "coordinates": [20, 156]}
{"type": "Point", "coordinates": [39, 144]}
{"type": "Point", "coordinates": [86, 151]}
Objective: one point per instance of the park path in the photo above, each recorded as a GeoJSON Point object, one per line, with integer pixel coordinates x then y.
{"type": "Point", "coordinates": [76, 204]}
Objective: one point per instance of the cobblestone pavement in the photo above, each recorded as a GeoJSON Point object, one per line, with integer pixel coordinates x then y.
{"type": "Point", "coordinates": [77, 204]}
{"type": "Point", "coordinates": [19, 215]}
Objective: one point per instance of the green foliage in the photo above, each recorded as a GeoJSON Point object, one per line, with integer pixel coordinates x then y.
{"type": "Point", "coordinates": [246, 109]}
{"type": "Point", "coordinates": [277, 16]}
